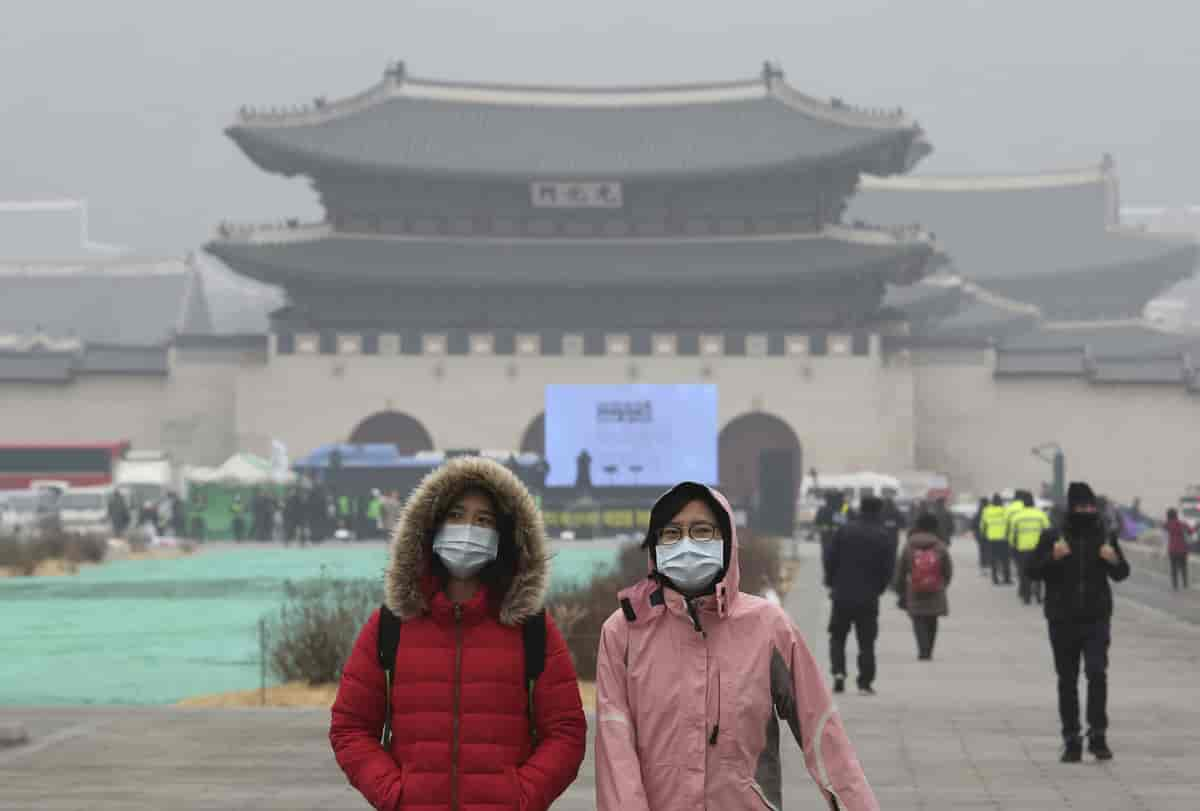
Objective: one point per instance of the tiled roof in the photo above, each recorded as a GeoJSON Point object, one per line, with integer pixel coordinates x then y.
{"type": "Point", "coordinates": [601, 262]}
{"type": "Point", "coordinates": [1053, 240]}
{"type": "Point", "coordinates": [411, 125]}
{"type": "Point", "coordinates": [125, 301]}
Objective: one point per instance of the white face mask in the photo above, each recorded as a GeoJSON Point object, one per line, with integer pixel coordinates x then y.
{"type": "Point", "coordinates": [691, 566]}
{"type": "Point", "coordinates": [466, 548]}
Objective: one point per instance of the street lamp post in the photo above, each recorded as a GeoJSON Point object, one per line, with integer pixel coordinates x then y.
{"type": "Point", "coordinates": [1052, 454]}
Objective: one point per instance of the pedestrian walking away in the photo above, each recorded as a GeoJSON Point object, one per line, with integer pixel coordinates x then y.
{"type": "Point", "coordinates": [1025, 529]}
{"type": "Point", "coordinates": [858, 569]}
{"type": "Point", "coordinates": [1178, 534]}
{"type": "Point", "coordinates": [985, 564]}
{"type": "Point", "coordinates": [695, 676]}
{"type": "Point", "coordinates": [1076, 566]}
{"type": "Point", "coordinates": [995, 529]}
{"type": "Point", "coordinates": [460, 692]}
{"type": "Point", "coordinates": [922, 577]}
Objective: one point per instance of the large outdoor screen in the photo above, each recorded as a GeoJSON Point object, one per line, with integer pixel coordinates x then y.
{"type": "Point", "coordinates": [631, 435]}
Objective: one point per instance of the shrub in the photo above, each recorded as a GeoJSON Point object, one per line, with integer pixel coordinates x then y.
{"type": "Point", "coordinates": [17, 555]}
{"type": "Point", "coordinates": [317, 625]}
{"type": "Point", "coordinates": [24, 554]}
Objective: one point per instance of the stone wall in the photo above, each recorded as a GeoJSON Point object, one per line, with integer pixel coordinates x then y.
{"type": "Point", "coordinates": [1127, 440]}
{"type": "Point", "coordinates": [91, 408]}
{"type": "Point", "coordinates": [849, 412]}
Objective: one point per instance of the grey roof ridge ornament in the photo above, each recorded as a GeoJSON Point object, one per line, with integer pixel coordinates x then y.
{"type": "Point", "coordinates": [998, 301]}
{"type": "Point", "coordinates": [40, 341]}
{"type": "Point", "coordinates": [109, 266]}
{"type": "Point", "coordinates": [1059, 178]}
{"type": "Point", "coordinates": [1111, 323]}
{"type": "Point", "coordinates": [397, 83]}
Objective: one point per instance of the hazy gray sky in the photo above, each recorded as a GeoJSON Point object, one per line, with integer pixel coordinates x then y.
{"type": "Point", "coordinates": [123, 102]}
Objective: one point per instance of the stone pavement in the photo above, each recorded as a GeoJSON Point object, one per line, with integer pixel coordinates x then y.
{"type": "Point", "coordinates": [974, 729]}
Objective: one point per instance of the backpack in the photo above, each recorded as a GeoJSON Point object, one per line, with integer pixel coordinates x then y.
{"type": "Point", "coordinates": [533, 633]}
{"type": "Point", "coordinates": [927, 571]}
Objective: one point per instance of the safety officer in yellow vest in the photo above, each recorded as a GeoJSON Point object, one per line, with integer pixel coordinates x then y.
{"type": "Point", "coordinates": [1024, 531]}
{"type": "Point", "coordinates": [995, 529]}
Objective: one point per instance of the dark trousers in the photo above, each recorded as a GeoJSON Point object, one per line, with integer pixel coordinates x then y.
{"type": "Point", "coordinates": [1179, 568]}
{"type": "Point", "coordinates": [1001, 561]}
{"type": "Point", "coordinates": [1071, 642]}
{"type": "Point", "coordinates": [985, 556]}
{"type": "Point", "coordinates": [925, 629]}
{"type": "Point", "coordinates": [1027, 588]}
{"type": "Point", "coordinates": [864, 618]}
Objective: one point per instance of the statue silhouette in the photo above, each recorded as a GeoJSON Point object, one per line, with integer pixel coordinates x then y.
{"type": "Point", "coordinates": [583, 471]}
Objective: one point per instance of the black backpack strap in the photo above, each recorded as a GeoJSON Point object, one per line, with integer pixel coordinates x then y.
{"type": "Point", "coordinates": [387, 643]}
{"type": "Point", "coordinates": [533, 633]}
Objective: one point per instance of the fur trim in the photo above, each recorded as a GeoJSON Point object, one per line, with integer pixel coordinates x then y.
{"type": "Point", "coordinates": [402, 585]}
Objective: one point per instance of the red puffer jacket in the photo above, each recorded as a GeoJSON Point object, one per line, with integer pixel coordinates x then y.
{"type": "Point", "coordinates": [461, 737]}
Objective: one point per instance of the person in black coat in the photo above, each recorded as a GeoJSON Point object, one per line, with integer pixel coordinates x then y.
{"type": "Point", "coordinates": [1076, 565]}
{"type": "Point", "coordinates": [985, 561]}
{"type": "Point", "coordinates": [858, 569]}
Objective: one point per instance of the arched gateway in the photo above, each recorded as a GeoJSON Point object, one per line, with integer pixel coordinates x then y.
{"type": "Point", "coordinates": [399, 429]}
{"type": "Point", "coordinates": [760, 464]}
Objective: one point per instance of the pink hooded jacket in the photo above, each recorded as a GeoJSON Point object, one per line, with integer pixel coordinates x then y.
{"type": "Point", "coordinates": [689, 719]}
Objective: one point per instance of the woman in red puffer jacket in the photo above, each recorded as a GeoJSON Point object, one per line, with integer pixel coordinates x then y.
{"type": "Point", "coordinates": [468, 567]}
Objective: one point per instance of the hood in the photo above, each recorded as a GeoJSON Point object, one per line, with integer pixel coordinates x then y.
{"type": "Point", "coordinates": [408, 585]}
{"type": "Point", "coordinates": [1079, 493]}
{"type": "Point", "coordinates": [727, 587]}
{"type": "Point", "coordinates": [923, 540]}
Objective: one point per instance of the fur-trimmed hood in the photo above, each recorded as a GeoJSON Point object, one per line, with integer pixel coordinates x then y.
{"type": "Point", "coordinates": [405, 586]}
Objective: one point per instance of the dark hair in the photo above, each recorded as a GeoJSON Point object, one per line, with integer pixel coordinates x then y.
{"type": "Point", "coordinates": [1172, 514]}
{"type": "Point", "coordinates": [928, 522]}
{"type": "Point", "coordinates": [870, 506]}
{"type": "Point", "coordinates": [678, 497]}
{"type": "Point", "coordinates": [497, 577]}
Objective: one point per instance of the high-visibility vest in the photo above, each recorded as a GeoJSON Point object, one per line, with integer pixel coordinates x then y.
{"type": "Point", "coordinates": [1010, 512]}
{"type": "Point", "coordinates": [995, 523]}
{"type": "Point", "coordinates": [374, 509]}
{"type": "Point", "coordinates": [1025, 528]}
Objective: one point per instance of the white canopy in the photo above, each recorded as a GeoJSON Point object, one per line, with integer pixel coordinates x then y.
{"type": "Point", "coordinates": [241, 468]}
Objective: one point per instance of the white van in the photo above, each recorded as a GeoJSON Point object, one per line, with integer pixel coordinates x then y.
{"type": "Point", "coordinates": [853, 487]}
{"type": "Point", "coordinates": [85, 510]}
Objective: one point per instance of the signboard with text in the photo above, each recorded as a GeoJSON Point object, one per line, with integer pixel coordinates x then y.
{"type": "Point", "coordinates": [592, 194]}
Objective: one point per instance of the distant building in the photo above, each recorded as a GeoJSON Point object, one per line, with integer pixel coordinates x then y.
{"type": "Point", "coordinates": [481, 241]}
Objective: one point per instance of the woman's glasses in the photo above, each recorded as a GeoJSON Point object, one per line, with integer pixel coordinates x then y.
{"type": "Point", "coordinates": [701, 532]}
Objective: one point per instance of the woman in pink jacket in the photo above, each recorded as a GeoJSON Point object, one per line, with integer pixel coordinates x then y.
{"type": "Point", "coordinates": [695, 676]}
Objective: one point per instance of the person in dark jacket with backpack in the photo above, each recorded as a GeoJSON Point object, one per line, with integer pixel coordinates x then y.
{"type": "Point", "coordinates": [922, 577]}
{"type": "Point", "coordinates": [470, 729]}
{"type": "Point", "coordinates": [858, 569]}
{"type": "Point", "coordinates": [1076, 567]}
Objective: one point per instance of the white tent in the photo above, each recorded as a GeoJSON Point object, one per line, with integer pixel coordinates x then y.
{"type": "Point", "coordinates": [241, 468]}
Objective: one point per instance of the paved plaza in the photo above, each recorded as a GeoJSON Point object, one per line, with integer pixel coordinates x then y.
{"type": "Point", "coordinates": [974, 729]}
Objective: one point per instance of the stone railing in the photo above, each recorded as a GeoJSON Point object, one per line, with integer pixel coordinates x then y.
{"type": "Point", "coordinates": [290, 230]}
